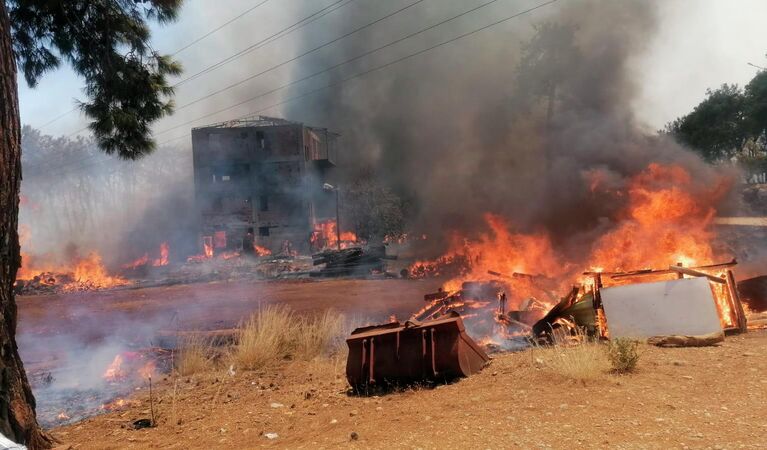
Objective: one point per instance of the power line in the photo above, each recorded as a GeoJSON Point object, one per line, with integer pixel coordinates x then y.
{"type": "Point", "coordinates": [268, 40]}
{"type": "Point", "coordinates": [386, 65]}
{"type": "Point", "coordinates": [238, 16]}
{"type": "Point", "coordinates": [55, 119]}
{"type": "Point", "coordinates": [61, 116]}
{"type": "Point", "coordinates": [355, 58]}
{"type": "Point", "coordinates": [308, 52]}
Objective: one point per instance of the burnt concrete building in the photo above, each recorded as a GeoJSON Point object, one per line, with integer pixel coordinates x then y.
{"type": "Point", "coordinates": [261, 181]}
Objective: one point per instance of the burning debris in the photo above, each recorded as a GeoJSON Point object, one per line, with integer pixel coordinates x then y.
{"type": "Point", "coordinates": [85, 274]}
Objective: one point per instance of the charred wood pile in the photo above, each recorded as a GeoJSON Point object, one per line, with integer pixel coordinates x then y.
{"type": "Point", "coordinates": [351, 261]}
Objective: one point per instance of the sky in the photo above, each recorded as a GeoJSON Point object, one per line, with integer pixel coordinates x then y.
{"type": "Point", "coordinates": [700, 44]}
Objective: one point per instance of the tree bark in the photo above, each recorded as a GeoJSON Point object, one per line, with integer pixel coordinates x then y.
{"type": "Point", "coordinates": [17, 405]}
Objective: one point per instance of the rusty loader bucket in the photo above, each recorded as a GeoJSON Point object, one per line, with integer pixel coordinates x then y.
{"type": "Point", "coordinates": [414, 351]}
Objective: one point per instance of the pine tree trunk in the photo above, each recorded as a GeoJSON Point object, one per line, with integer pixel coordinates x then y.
{"type": "Point", "coordinates": [17, 405]}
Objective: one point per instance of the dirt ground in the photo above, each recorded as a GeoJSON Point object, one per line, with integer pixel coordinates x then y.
{"type": "Point", "coordinates": [712, 397]}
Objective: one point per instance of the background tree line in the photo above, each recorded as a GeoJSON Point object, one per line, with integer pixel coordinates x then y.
{"type": "Point", "coordinates": [730, 124]}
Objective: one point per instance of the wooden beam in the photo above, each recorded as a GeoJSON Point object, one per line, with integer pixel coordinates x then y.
{"type": "Point", "coordinates": [696, 273]}
{"type": "Point", "coordinates": [742, 221]}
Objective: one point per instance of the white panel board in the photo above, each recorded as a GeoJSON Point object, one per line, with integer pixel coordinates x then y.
{"type": "Point", "coordinates": [675, 307]}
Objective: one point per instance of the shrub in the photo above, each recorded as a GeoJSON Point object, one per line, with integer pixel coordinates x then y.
{"type": "Point", "coordinates": [623, 354]}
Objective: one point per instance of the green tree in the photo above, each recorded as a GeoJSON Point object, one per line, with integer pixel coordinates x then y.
{"type": "Point", "coordinates": [716, 128]}
{"type": "Point", "coordinates": [755, 106]}
{"type": "Point", "coordinates": [107, 43]}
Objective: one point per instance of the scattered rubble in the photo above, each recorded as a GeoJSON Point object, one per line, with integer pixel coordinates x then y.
{"type": "Point", "coordinates": [351, 261]}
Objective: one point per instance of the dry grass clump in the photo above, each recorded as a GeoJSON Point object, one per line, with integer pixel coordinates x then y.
{"type": "Point", "coordinates": [275, 333]}
{"type": "Point", "coordinates": [267, 336]}
{"type": "Point", "coordinates": [319, 335]}
{"type": "Point", "coordinates": [623, 354]}
{"type": "Point", "coordinates": [195, 355]}
{"type": "Point", "coordinates": [577, 357]}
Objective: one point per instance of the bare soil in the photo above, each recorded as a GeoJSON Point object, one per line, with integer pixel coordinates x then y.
{"type": "Point", "coordinates": [678, 398]}
{"type": "Point", "coordinates": [713, 397]}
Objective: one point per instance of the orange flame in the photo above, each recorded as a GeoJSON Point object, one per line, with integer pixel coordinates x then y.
{"type": "Point", "coordinates": [325, 236]}
{"type": "Point", "coordinates": [163, 259]}
{"type": "Point", "coordinates": [261, 251]}
{"type": "Point", "coordinates": [664, 219]}
{"type": "Point", "coordinates": [114, 370]}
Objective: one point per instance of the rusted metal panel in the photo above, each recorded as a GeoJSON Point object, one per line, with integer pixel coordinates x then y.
{"type": "Point", "coordinates": [412, 351]}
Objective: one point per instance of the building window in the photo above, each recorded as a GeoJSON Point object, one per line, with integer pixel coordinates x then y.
{"type": "Point", "coordinates": [263, 203]}
{"type": "Point", "coordinates": [261, 139]}
{"type": "Point", "coordinates": [263, 231]}
{"type": "Point", "coordinates": [225, 178]}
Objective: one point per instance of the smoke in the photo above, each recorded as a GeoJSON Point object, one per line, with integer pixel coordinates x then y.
{"type": "Point", "coordinates": [513, 120]}
{"type": "Point", "coordinates": [77, 200]}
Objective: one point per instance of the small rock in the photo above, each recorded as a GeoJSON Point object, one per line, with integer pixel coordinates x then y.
{"type": "Point", "coordinates": [687, 377]}
{"type": "Point", "coordinates": [353, 412]}
{"type": "Point", "coordinates": [378, 408]}
{"type": "Point", "coordinates": [333, 422]}
{"type": "Point", "coordinates": [679, 362]}
{"type": "Point", "coordinates": [354, 436]}
{"type": "Point", "coordinates": [271, 436]}
{"type": "Point", "coordinates": [538, 362]}
{"type": "Point", "coordinates": [749, 354]}
{"type": "Point", "coordinates": [276, 405]}
{"type": "Point", "coordinates": [495, 373]}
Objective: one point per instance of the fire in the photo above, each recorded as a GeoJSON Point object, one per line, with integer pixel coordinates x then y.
{"type": "Point", "coordinates": [163, 259]}
{"type": "Point", "coordinates": [144, 260]}
{"type": "Point", "coordinates": [91, 272]}
{"type": "Point", "coordinates": [129, 365]}
{"type": "Point", "coordinates": [118, 404]}
{"type": "Point", "coordinates": [114, 370]}
{"type": "Point", "coordinates": [664, 219]}
{"type": "Point", "coordinates": [207, 246]}
{"type": "Point", "coordinates": [157, 262]}
{"type": "Point", "coordinates": [147, 370]}
{"type": "Point", "coordinates": [80, 273]}
{"type": "Point", "coordinates": [261, 251]}
{"type": "Point", "coordinates": [325, 236]}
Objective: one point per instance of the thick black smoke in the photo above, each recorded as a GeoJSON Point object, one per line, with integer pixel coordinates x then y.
{"type": "Point", "coordinates": [510, 120]}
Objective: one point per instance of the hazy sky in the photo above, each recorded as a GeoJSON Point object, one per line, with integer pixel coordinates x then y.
{"type": "Point", "coordinates": [700, 44]}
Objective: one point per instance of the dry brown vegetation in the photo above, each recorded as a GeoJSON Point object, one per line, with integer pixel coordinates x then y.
{"type": "Point", "coordinates": [195, 355]}
{"type": "Point", "coordinates": [276, 333]}
{"type": "Point", "coordinates": [577, 357]}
